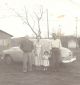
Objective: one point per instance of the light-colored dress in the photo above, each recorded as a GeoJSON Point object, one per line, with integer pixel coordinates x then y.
{"type": "Point", "coordinates": [46, 60]}
{"type": "Point", "coordinates": [38, 54]}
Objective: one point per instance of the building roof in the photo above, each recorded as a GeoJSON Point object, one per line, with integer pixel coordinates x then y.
{"type": "Point", "coordinates": [6, 33]}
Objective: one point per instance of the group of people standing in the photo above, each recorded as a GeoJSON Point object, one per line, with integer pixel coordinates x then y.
{"type": "Point", "coordinates": [34, 52]}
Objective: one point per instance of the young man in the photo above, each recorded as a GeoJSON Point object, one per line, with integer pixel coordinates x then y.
{"type": "Point", "coordinates": [55, 52]}
{"type": "Point", "coordinates": [27, 46]}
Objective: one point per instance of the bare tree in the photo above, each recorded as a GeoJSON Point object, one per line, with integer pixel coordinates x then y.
{"type": "Point", "coordinates": [38, 20]}
{"type": "Point", "coordinates": [26, 20]}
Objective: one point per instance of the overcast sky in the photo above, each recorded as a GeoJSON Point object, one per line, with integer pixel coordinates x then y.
{"type": "Point", "coordinates": [11, 23]}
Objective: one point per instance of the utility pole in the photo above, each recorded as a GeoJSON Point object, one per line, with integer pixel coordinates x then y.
{"type": "Point", "coordinates": [76, 29]}
{"type": "Point", "coordinates": [59, 34]}
{"type": "Point", "coordinates": [47, 23]}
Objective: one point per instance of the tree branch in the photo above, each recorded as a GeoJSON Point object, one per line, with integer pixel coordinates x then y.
{"type": "Point", "coordinates": [38, 19]}
{"type": "Point", "coordinates": [29, 23]}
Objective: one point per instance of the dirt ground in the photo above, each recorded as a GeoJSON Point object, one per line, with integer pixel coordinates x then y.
{"type": "Point", "coordinates": [12, 74]}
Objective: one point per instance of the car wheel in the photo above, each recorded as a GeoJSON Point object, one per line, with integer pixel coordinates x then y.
{"type": "Point", "coordinates": [8, 59]}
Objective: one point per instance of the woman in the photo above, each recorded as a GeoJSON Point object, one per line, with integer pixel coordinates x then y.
{"type": "Point", "coordinates": [38, 53]}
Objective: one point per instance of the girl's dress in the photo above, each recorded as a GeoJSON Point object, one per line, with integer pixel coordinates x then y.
{"type": "Point", "coordinates": [46, 60]}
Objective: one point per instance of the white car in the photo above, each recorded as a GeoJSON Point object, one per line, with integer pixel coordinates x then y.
{"type": "Point", "coordinates": [13, 54]}
{"type": "Point", "coordinates": [67, 55]}
{"type": "Point", "coordinates": [16, 54]}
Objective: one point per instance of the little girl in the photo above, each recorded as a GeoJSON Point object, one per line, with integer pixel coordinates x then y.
{"type": "Point", "coordinates": [46, 60]}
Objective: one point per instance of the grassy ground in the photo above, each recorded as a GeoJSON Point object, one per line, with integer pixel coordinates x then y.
{"type": "Point", "coordinates": [69, 74]}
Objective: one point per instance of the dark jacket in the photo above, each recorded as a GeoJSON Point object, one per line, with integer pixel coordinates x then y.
{"type": "Point", "coordinates": [26, 45]}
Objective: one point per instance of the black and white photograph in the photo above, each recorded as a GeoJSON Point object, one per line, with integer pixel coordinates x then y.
{"type": "Point", "coordinates": [39, 42]}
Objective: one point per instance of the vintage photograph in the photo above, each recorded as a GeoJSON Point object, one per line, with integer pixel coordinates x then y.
{"type": "Point", "coordinates": [39, 42]}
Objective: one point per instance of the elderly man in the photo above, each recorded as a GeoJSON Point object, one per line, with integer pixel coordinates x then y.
{"type": "Point", "coordinates": [27, 46]}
